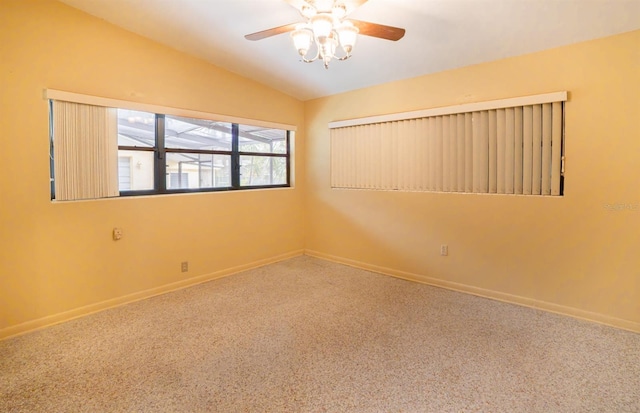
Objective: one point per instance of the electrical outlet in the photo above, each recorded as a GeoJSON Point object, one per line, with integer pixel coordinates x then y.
{"type": "Point", "coordinates": [184, 266]}
{"type": "Point", "coordinates": [444, 250]}
{"type": "Point", "coordinates": [117, 234]}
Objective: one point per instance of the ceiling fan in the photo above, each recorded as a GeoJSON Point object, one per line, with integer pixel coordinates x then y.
{"type": "Point", "coordinates": [326, 28]}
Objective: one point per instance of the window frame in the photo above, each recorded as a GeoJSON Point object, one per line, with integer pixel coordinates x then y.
{"type": "Point", "coordinates": [160, 167]}
{"type": "Point", "coordinates": [160, 151]}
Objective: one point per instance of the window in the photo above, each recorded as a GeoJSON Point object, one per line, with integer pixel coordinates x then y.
{"type": "Point", "coordinates": [124, 173]}
{"type": "Point", "coordinates": [261, 160]}
{"type": "Point", "coordinates": [157, 153]}
{"type": "Point", "coordinates": [512, 146]}
{"type": "Point", "coordinates": [136, 142]}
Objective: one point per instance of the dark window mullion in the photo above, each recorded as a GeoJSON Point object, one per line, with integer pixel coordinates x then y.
{"type": "Point", "coordinates": [235, 156]}
{"type": "Point", "coordinates": [288, 157]}
{"type": "Point", "coordinates": [200, 151]}
{"type": "Point", "coordinates": [264, 154]}
{"type": "Point", "coordinates": [160, 170]}
{"type": "Point", "coordinates": [136, 148]}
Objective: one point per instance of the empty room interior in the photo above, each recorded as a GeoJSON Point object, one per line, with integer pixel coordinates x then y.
{"type": "Point", "coordinates": [370, 266]}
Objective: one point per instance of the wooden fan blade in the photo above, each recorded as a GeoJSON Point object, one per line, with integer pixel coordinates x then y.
{"type": "Point", "coordinates": [350, 4]}
{"type": "Point", "coordinates": [353, 4]}
{"type": "Point", "coordinates": [271, 32]}
{"type": "Point", "coordinates": [379, 30]}
{"type": "Point", "coordinates": [297, 4]}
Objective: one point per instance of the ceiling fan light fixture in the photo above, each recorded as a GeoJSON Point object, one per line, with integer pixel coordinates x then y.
{"type": "Point", "coordinates": [325, 29]}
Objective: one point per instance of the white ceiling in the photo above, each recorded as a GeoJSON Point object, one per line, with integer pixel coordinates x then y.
{"type": "Point", "coordinates": [441, 35]}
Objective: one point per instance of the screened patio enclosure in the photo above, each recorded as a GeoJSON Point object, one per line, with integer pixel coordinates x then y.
{"type": "Point", "coordinates": [198, 152]}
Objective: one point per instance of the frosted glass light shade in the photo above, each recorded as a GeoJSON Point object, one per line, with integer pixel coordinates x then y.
{"type": "Point", "coordinates": [308, 11]}
{"type": "Point", "coordinates": [339, 11]}
{"type": "Point", "coordinates": [322, 25]}
{"type": "Point", "coordinates": [302, 39]}
{"type": "Point", "coordinates": [348, 34]}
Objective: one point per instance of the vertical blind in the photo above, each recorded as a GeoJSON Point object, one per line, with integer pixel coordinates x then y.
{"type": "Point", "coordinates": [515, 149]}
{"type": "Point", "coordinates": [85, 151]}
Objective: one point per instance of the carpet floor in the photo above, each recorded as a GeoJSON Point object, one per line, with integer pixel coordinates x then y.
{"type": "Point", "coordinates": [307, 335]}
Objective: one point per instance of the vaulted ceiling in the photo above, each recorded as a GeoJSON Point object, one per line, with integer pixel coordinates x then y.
{"type": "Point", "coordinates": [440, 35]}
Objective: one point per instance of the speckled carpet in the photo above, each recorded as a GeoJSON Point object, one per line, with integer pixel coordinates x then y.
{"type": "Point", "coordinates": [306, 335]}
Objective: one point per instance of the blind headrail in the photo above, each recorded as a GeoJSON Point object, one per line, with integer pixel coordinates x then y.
{"type": "Point", "coordinates": [450, 110]}
{"type": "Point", "coordinates": [124, 104]}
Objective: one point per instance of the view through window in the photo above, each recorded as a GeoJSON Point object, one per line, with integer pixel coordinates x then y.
{"type": "Point", "coordinates": [158, 153]}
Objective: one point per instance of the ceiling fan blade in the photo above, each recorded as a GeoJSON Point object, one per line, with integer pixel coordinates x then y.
{"type": "Point", "coordinates": [297, 4]}
{"type": "Point", "coordinates": [351, 5]}
{"type": "Point", "coordinates": [271, 32]}
{"type": "Point", "coordinates": [379, 30]}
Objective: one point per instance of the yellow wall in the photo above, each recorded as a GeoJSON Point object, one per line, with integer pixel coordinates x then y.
{"type": "Point", "coordinates": [579, 254]}
{"type": "Point", "coordinates": [59, 257]}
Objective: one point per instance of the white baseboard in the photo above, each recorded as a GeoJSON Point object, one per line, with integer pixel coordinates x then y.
{"type": "Point", "coordinates": [48, 321]}
{"type": "Point", "coordinates": [495, 295]}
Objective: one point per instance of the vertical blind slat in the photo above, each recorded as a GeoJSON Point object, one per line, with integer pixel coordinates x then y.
{"type": "Point", "coordinates": [345, 143]}
{"type": "Point", "coordinates": [349, 163]}
{"type": "Point", "coordinates": [432, 153]}
{"type": "Point", "coordinates": [501, 165]}
{"type": "Point", "coordinates": [396, 139]}
{"type": "Point", "coordinates": [372, 158]}
{"type": "Point", "coordinates": [404, 179]}
{"type": "Point", "coordinates": [366, 175]}
{"type": "Point", "coordinates": [412, 154]}
{"type": "Point", "coordinates": [536, 167]}
{"type": "Point", "coordinates": [423, 151]}
{"type": "Point", "coordinates": [453, 153]}
{"type": "Point", "coordinates": [446, 153]}
{"type": "Point", "coordinates": [483, 178]}
{"type": "Point", "coordinates": [480, 153]}
{"type": "Point", "coordinates": [493, 152]}
{"type": "Point", "coordinates": [354, 162]}
{"type": "Point", "coordinates": [341, 151]}
{"type": "Point", "coordinates": [415, 173]}
{"type": "Point", "coordinates": [438, 154]}
{"type": "Point", "coordinates": [387, 156]}
{"type": "Point", "coordinates": [527, 150]}
{"type": "Point", "coordinates": [381, 163]}
{"type": "Point", "coordinates": [335, 153]}
{"type": "Point", "coordinates": [341, 145]}
{"type": "Point", "coordinates": [402, 164]}
{"type": "Point", "coordinates": [468, 152]}
{"type": "Point", "coordinates": [359, 160]}
{"type": "Point", "coordinates": [546, 149]}
{"type": "Point", "coordinates": [509, 151]}
{"type": "Point", "coordinates": [376, 159]}
{"type": "Point", "coordinates": [461, 152]}
{"type": "Point", "coordinates": [518, 152]}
